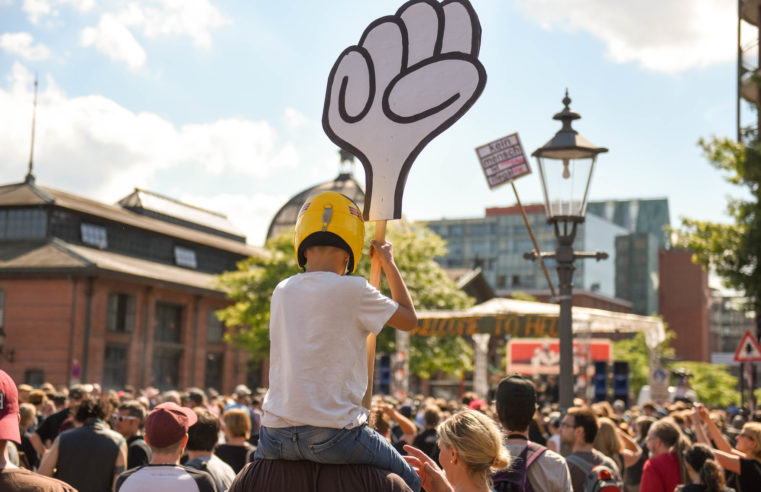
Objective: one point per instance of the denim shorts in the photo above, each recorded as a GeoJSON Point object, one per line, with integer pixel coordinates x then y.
{"type": "Point", "coordinates": [359, 445]}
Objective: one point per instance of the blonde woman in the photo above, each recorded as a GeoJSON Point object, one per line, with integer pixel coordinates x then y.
{"type": "Point", "coordinates": [617, 445]}
{"type": "Point", "coordinates": [236, 451]}
{"type": "Point", "coordinates": [470, 451]}
{"type": "Point", "coordinates": [744, 459]}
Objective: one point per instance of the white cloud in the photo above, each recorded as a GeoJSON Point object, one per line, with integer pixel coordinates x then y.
{"type": "Point", "coordinates": [192, 18]}
{"type": "Point", "coordinates": [115, 41]}
{"type": "Point", "coordinates": [20, 43]}
{"type": "Point", "coordinates": [36, 9]}
{"type": "Point", "coordinates": [245, 147]}
{"type": "Point", "coordinates": [93, 146]}
{"type": "Point", "coordinates": [665, 36]}
{"type": "Point", "coordinates": [294, 119]}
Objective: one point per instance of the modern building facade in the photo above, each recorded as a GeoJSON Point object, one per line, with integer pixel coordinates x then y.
{"type": "Point", "coordinates": [637, 277]}
{"type": "Point", "coordinates": [647, 222]}
{"type": "Point", "coordinates": [640, 216]}
{"type": "Point", "coordinates": [115, 294]}
{"type": "Point", "coordinates": [496, 244]}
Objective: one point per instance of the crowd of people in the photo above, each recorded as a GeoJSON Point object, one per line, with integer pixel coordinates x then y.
{"type": "Point", "coordinates": [86, 439]}
{"type": "Point", "coordinates": [311, 430]}
{"type": "Point", "coordinates": [92, 440]}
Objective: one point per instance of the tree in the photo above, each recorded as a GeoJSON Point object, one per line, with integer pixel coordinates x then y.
{"type": "Point", "coordinates": [250, 288]}
{"type": "Point", "coordinates": [713, 383]}
{"type": "Point", "coordinates": [732, 250]}
{"type": "Point", "coordinates": [415, 247]}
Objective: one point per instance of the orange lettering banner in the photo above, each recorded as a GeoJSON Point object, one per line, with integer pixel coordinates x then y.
{"type": "Point", "coordinates": [520, 326]}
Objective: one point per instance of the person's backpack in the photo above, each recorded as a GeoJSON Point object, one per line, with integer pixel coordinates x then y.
{"type": "Point", "coordinates": [600, 478]}
{"type": "Point", "coordinates": [515, 477]}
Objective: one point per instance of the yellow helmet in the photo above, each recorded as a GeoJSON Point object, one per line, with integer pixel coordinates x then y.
{"type": "Point", "coordinates": [330, 219]}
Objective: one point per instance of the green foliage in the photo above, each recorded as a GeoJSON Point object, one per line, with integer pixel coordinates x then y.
{"type": "Point", "coordinates": [415, 247]}
{"type": "Point", "coordinates": [732, 250]}
{"type": "Point", "coordinates": [713, 383]}
{"type": "Point", "coordinates": [250, 288]}
{"type": "Point", "coordinates": [522, 296]}
{"type": "Point", "coordinates": [634, 351]}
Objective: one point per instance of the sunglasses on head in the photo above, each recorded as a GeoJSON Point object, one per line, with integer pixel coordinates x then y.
{"type": "Point", "coordinates": [122, 418]}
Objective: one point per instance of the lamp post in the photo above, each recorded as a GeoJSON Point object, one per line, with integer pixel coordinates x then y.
{"type": "Point", "coordinates": [566, 164]}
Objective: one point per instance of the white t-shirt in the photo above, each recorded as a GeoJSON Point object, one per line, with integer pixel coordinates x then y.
{"type": "Point", "coordinates": [166, 478]}
{"type": "Point", "coordinates": [319, 322]}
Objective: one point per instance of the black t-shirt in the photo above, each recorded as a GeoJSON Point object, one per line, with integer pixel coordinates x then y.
{"type": "Point", "coordinates": [138, 452]}
{"type": "Point", "coordinates": [32, 459]}
{"type": "Point", "coordinates": [48, 429]}
{"type": "Point", "coordinates": [234, 455]}
{"type": "Point", "coordinates": [428, 442]}
{"type": "Point", "coordinates": [750, 476]}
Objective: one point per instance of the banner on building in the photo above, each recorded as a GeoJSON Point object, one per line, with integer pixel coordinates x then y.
{"type": "Point", "coordinates": [542, 355]}
{"type": "Point", "coordinates": [515, 325]}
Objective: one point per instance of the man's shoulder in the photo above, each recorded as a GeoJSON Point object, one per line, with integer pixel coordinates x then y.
{"type": "Point", "coordinates": [307, 475]}
{"type": "Point", "coordinates": [551, 456]}
{"type": "Point", "coordinates": [218, 462]}
{"type": "Point", "coordinates": [547, 458]}
{"type": "Point", "coordinates": [151, 474]}
{"type": "Point", "coordinates": [136, 442]}
{"type": "Point", "coordinates": [593, 458]}
{"type": "Point", "coordinates": [23, 478]}
{"type": "Point", "coordinates": [606, 460]}
{"type": "Point", "coordinates": [53, 420]}
{"type": "Point", "coordinates": [318, 279]}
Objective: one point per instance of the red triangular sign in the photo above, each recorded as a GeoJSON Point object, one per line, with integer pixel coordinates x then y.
{"type": "Point", "coordinates": [749, 349]}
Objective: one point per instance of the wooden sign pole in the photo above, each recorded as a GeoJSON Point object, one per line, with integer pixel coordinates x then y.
{"type": "Point", "coordinates": [533, 240]}
{"type": "Point", "coordinates": [376, 273]}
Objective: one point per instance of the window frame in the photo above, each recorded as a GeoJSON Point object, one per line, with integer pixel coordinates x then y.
{"type": "Point", "coordinates": [185, 257]}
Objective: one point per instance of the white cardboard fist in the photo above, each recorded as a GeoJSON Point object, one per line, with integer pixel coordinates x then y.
{"type": "Point", "coordinates": [411, 77]}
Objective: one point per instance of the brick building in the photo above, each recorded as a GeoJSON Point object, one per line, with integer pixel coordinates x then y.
{"type": "Point", "coordinates": [685, 303]}
{"type": "Point", "coordinates": [115, 294]}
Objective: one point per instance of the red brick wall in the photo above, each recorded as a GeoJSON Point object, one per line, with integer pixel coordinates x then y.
{"type": "Point", "coordinates": [684, 303]}
{"type": "Point", "coordinates": [38, 323]}
{"type": "Point", "coordinates": [44, 322]}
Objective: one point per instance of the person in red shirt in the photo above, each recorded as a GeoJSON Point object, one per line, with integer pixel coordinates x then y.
{"type": "Point", "coordinates": [665, 469]}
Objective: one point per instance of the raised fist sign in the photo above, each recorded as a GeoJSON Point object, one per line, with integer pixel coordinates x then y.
{"type": "Point", "coordinates": [410, 77]}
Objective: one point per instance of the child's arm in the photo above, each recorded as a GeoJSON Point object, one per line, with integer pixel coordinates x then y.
{"type": "Point", "coordinates": [404, 318]}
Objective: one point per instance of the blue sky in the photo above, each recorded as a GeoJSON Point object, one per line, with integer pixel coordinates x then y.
{"type": "Point", "coordinates": [218, 103]}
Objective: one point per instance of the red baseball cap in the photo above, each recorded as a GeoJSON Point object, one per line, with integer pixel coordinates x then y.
{"type": "Point", "coordinates": [9, 413]}
{"type": "Point", "coordinates": [167, 424]}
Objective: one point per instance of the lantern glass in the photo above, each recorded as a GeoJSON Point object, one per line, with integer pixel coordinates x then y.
{"type": "Point", "coordinates": [565, 183]}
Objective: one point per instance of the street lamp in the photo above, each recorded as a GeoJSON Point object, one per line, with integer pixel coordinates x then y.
{"type": "Point", "coordinates": [566, 164]}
